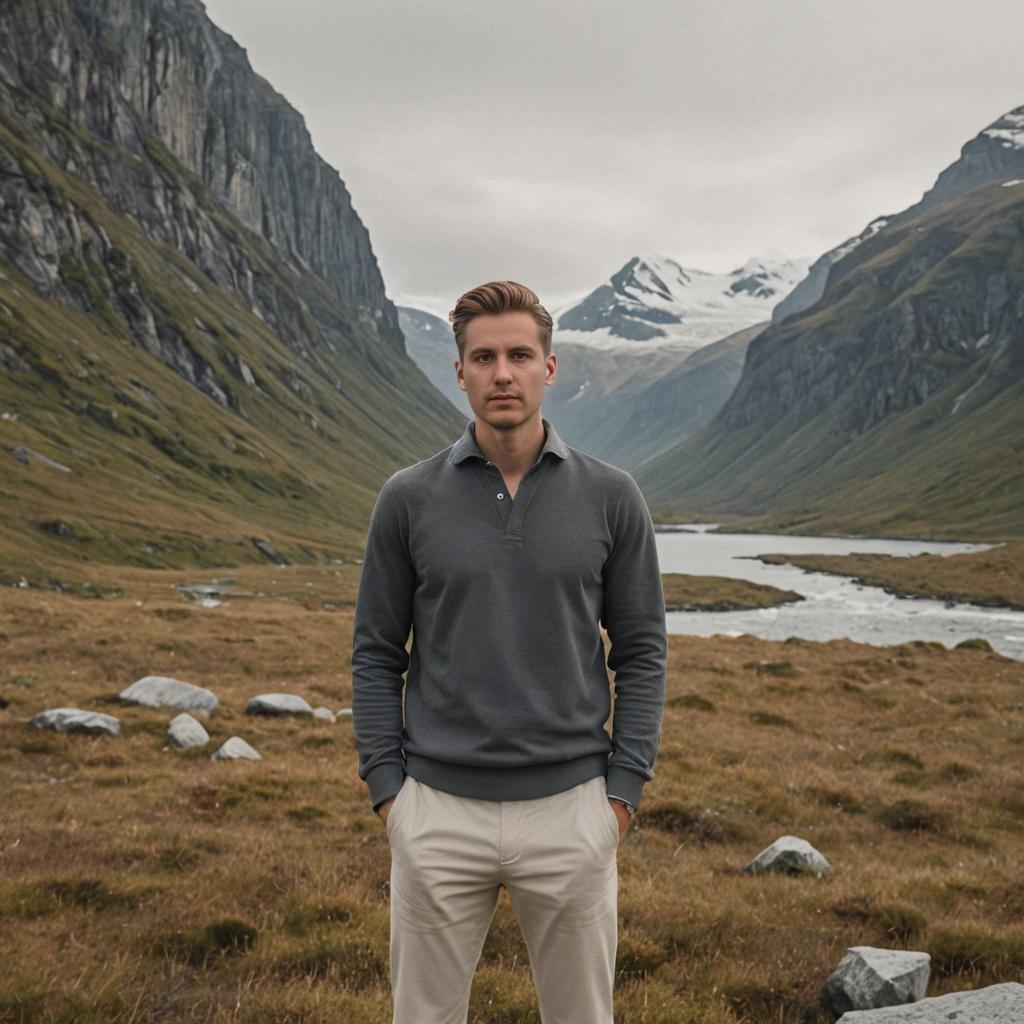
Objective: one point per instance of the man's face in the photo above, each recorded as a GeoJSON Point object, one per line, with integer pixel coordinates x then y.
{"type": "Point", "coordinates": [505, 369]}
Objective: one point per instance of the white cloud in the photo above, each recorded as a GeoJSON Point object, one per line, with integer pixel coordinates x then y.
{"type": "Point", "coordinates": [550, 142]}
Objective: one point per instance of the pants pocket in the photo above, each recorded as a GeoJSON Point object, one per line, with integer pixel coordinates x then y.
{"type": "Point", "coordinates": [396, 807]}
{"type": "Point", "coordinates": [610, 816]}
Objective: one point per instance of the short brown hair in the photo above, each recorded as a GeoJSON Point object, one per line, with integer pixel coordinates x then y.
{"type": "Point", "coordinates": [500, 297]}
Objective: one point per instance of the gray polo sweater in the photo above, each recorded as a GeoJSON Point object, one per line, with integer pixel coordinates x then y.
{"type": "Point", "coordinates": [507, 690]}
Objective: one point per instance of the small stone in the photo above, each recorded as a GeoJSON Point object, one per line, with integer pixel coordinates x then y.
{"type": "Point", "coordinates": [234, 749]}
{"type": "Point", "coordinates": [186, 731]}
{"type": "Point", "coordinates": [324, 714]}
{"type": "Point", "coordinates": [77, 720]}
{"type": "Point", "coordinates": [790, 854]}
{"type": "Point", "coordinates": [163, 692]}
{"type": "Point", "coordinates": [867, 978]}
{"type": "Point", "coordinates": [344, 712]}
{"type": "Point", "coordinates": [278, 704]}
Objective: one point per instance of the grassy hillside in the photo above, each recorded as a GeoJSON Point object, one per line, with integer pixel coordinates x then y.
{"type": "Point", "coordinates": [158, 471]}
{"type": "Point", "coordinates": [145, 883]}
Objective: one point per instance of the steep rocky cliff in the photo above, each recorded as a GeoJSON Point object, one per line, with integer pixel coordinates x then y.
{"type": "Point", "coordinates": [189, 304]}
{"type": "Point", "coordinates": [148, 79]}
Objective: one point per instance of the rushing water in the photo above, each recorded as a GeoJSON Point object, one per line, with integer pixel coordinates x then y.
{"type": "Point", "coordinates": [833, 606]}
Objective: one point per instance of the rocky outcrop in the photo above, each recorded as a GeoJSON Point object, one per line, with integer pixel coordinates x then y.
{"type": "Point", "coordinates": [995, 154]}
{"type": "Point", "coordinates": [130, 86]}
{"type": "Point", "coordinates": [867, 978]}
{"type": "Point", "coordinates": [995, 1004]}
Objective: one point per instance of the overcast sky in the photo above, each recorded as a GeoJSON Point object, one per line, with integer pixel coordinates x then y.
{"type": "Point", "coordinates": [550, 141]}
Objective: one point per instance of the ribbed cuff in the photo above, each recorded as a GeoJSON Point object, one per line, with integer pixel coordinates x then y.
{"type": "Point", "coordinates": [384, 782]}
{"type": "Point", "coordinates": [622, 782]}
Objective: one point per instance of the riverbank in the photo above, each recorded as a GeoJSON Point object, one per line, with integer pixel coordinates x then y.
{"type": "Point", "coordinates": [141, 882]}
{"type": "Point", "coordinates": [686, 593]}
{"type": "Point", "coordinates": [991, 579]}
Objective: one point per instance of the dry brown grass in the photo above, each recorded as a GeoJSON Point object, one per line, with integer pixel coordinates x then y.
{"type": "Point", "coordinates": [686, 593]}
{"type": "Point", "coordinates": [141, 883]}
{"type": "Point", "coordinates": [994, 578]}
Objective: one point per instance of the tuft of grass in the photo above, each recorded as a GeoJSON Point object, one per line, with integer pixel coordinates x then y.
{"type": "Point", "coordinates": [841, 799]}
{"type": "Point", "coordinates": [307, 812]}
{"type": "Point", "coordinates": [691, 700]}
{"type": "Point", "coordinates": [639, 955]}
{"type": "Point", "coordinates": [705, 826]}
{"type": "Point", "coordinates": [354, 964]}
{"type": "Point", "coordinates": [913, 816]}
{"type": "Point", "coordinates": [973, 949]}
{"type": "Point", "coordinates": [201, 947]}
{"type": "Point", "coordinates": [974, 643]}
{"type": "Point", "coordinates": [956, 771]}
{"type": "Point", "coordinates": [302, 918]}
{"type": "Point", "coordinates": [899, 922]}
{"type": "Point", "coordinates": [893, 756]}
{"type": "Point", "coordinates": [771, 718]}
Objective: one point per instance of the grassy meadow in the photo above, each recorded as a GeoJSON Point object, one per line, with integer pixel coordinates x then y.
{"type": "Point", "coordinates": [143, 883]}
{"type": "Point", "coordinates": [994, 578]}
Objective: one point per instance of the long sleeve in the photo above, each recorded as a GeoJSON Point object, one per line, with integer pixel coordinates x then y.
{"type": "Point", "coordinates": [634, 616]}
{"type": "Point", "coordinates": [383, 619]}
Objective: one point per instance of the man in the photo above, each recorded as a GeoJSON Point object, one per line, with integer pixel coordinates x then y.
{"type": "Point", "coordinates": [504, 554]}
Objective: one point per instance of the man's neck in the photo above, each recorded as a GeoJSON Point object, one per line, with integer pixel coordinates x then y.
{"type": "Point", "coordinates": [513, 451]}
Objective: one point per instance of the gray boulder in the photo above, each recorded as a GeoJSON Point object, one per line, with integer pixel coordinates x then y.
{"type": "Point", "coordinates": [185, 731]}
{"type": "Point", "coordinates": [278, 704]}
{"type": "Point", "coordinates": [789, 854]}
{"type": "Point", "coordinates": [996, 1004]}
{"type": "Point", "coordinates": [234, 749]}
{"type": "Point", "coordinates": [867, 978]}
{"type": "Point", "coordinates": [164, 692]}
{"type": "Point", "coordinates": [324, 714]}
{"type": "Point", "coordinates": [76, 720]}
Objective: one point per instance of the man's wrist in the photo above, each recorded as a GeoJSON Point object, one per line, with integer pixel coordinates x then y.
{"type": "Point", "coordinates": [623, 800]}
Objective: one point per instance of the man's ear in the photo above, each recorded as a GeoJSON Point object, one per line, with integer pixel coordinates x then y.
{"type": "Point", "coordinates": [552, 365]}
{"type": "Point", "coordinates": [458, 375]}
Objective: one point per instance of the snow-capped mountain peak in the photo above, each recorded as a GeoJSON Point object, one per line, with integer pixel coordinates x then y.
{"type": "Point", "coordinates": [657, 300]}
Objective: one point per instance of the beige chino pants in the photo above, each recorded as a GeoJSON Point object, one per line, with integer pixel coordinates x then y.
{"type": "Point", "coordinates": [556, 856]}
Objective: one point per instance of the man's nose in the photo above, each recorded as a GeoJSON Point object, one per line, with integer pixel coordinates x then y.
{"type": "Point", "coordinates": [502, 369]}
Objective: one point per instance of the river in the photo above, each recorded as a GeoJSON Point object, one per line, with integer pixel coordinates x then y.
{"type": "Point", "coordinates": [833, 606]}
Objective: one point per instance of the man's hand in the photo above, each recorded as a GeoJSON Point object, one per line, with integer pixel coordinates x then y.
{"type": "Point", "coordinates": [622, 814]}
{"type": "Point", "coordinates": [384, 810]}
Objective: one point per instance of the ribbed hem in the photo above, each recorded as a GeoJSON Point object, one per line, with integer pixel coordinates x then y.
{"type": "Point", "coordinates": [525, 783]}
{"type": "Point", "coordinates": [623, 782]}
{"type": "Point", "coordinates": [384, 782]}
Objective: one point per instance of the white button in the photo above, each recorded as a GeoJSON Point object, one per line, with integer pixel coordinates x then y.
{"type": "Point", "coordinates": [488, 462]}
{"type": "Point", "coordinates": [500, 496]}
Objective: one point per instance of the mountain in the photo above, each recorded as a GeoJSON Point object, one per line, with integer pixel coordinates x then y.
{"type": "Point", "coordinates": [995, 154]}
{"type": "Point", "coordinates": [200, 361]}
{"type": "Point", "coordinates": [431, 345]}
{"type": "Point", "coordinates": [625, 405]}
{"type": "Point", "coordinates": [657, 301]}
{"type": "Point", "coordinates": [894, 405]}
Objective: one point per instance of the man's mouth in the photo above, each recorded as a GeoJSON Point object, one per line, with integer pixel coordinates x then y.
{"type": "Point", "coordinates": [501, 398]}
